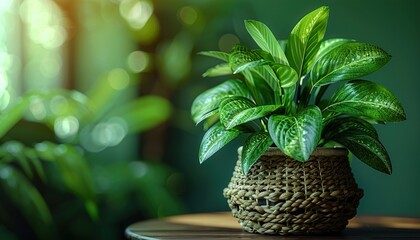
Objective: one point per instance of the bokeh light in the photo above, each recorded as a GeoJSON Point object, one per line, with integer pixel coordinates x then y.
{"type": "Point", "coordinates": [44, 22]}
{"type": "Point", "coordinates": [37, 109]}
{"type": "Point", "coordinates": [138, 168]}
{"type": "Point", "coordinates": [59, 105]}
{"type": "Point", "coordinates": [136, 12]}
{"type": "Point", "coordinates": [227, 41]}
{"type": "Point", "coordinates": [4, 93]}
{"type": "Point", "coordinates": [105, 134]}
{"type": "Point", "coordinates": [138, 61]}
{"type": "Point", "coordinates": [118, 79]}
{"type": "Point", "coordinates": [66, 127]}
{"type": "Point", "coordinates": [188, 15]}
{"type": "Point", "coordinates": [50, 65]}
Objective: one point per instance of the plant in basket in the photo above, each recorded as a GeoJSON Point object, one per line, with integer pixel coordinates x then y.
{"type": "Point", "coordinates": [294, 159]}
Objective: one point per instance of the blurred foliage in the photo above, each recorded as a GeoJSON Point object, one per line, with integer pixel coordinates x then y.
{"type": "Point", "coordinates": [69, 160]}
{"type": "Point", "coordinates": [44, 174]}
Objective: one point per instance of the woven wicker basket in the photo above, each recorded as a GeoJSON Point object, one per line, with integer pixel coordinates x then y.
{"type": "Point", "coordinates": [283, 196]}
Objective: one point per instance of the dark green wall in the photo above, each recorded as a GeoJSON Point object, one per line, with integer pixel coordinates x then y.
{"type": "Point", "coordinates": [392, 25]}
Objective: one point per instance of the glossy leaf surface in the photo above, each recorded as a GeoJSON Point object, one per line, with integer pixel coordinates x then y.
{"type": "Point", "coordinates": [255, 145]}
{"type": "Point", "coordinates": [250, 65]}
{"type": "Point", "coordinates": [297, 136]}
{"type": "Point", "coordinates": [209, 100]}
{"type": "Point", "coordinates": [348, 125]}
{"type": "Point", "coordinates": [214, 139]}
{"type": "Point", "coordinates": [330, 44]}
{"type": "Point", "coordinates": [241, 55]}
{"type": "Point", "coordinates": [267, 74]}
{"type": "Point", "coordinates": [367, 99]}
{"type": "Point", "coordinates": [238, 110]}
{"type": "Point", "coordinates": [287, 75]}
{"type": "Point", "coordinates": [347, 62]}
{"type": "Point", "coordinates": [216, 54]}
{"type": "Point", "coordinates": [367, 149]}
{"type": "Point", "coordinates": [265, 39]}
{"type": "Point", "coordinates": [304, 40]}
{"type": "Point", "coordinates": [218, 70]}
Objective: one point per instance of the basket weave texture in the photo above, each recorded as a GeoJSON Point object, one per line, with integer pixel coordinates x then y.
{"type": "Point", "coordinates": [283, 196]}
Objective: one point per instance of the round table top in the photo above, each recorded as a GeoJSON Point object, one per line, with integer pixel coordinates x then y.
{"type": "Point", "coordinates": [222, 225]}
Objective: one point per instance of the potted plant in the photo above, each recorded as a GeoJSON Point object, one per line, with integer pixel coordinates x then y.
{"type": "Point", "coordinates": [293, 174]}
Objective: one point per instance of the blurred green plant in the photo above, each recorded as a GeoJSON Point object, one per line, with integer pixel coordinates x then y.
{"type": "Point", "coordinates": [43, 145]}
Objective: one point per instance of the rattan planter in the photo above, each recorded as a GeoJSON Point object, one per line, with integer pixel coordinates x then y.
{"type": "Point", "coordinates": [283, 196]}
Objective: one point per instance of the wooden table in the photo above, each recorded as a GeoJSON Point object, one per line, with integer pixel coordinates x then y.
{"type": "Point", "coordinates": [223, 226]}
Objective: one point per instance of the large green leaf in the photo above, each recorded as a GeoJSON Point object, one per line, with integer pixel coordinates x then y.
{"type": "Point", "coordinates": [267, 74]}
{"type": "Point", "coordinates": [265, 39]}
{"type": "Point", "coordinates": [209, 100]}
{"type": "Point", "coordinates": [214, 139]}
{"type": "Point", "coordinates": [347, 62]}
{"type": "Point", "coordinates": [297, 136]}
{"type": "Point", "coordinates": [368, 99]}
{"type": "Point", "coordinates": [238, 110]}
{"type": "Point", "coordinates": [263, 76]}
{"type": "Point", "coordinates": [305, 38]}
{"type": "Point", "coordinates": [218, 70]}
{"type": "Point", "coordinates": [241, 55]}
{"type": "Point", "coordinates": [287, 75]}
{"type": "Point", "coordinates": [251, 65]}
{"type": "Point", "coordinates": [330, 44]}
{"type": "Point", "coordinates": [255, 145]}
{"type": "Point", "coordinates": [367, 149]}
{"type": "Point", "coordinates": [288, 100]}
{"type": "Point", "coordinates": [276, 75]}
{"type": "Point", "coordinates": [347, 126]}
{"type": "Point", "coordinates": [258, 88]}
{"type": "Point", "coordinates": [216, 54]}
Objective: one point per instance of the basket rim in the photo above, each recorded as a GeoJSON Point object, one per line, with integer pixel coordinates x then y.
{"type": "Point", "coordinates": [319, 151]}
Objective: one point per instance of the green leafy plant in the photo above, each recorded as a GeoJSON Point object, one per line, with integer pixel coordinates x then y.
{"type": "Point", "coordinates": [277, 95]}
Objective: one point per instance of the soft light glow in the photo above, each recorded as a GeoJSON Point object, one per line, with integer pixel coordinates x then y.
{"type": "Point", "coordinates": [136, 12]}
{"type": "Point", "coordinates": [188, 15]}
{"type": "Point", "coordinates": [105, 134]}
{"type": "Point", "coordinates": [66, 127]}
{"type": "Point", "coordinates": [4, 99]}
{"type": "Point", "coordinates": [109, 133]}
{"type": "Point", "coordinates": [59, 105]}
{"type": "Point", "coordinates": [44, 22]}
{"type": "Point", "coordinates": [118, 79]}
{"type": "Point", "coordinates": [138, 61]}
{"type": "Point", "coordinates": [6, 60]}
{"type": "Point", "coordinates": [227, 41]}
{"type": "Point", "coordinates": [37, 108]}
{"type": "Point", "coordinates": [50, 65]}
{"type": "Point", "coordinates": [5, 5]}
{"type": "Point", "coordinates": [4, 82]}
{"type": "Point", "coordinates": [138, 168]}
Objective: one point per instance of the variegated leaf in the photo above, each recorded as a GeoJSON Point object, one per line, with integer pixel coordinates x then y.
{"type": "Point", "coordinates": [297, 136]}
{"type": "Point", "coordinates": [238, 110]}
